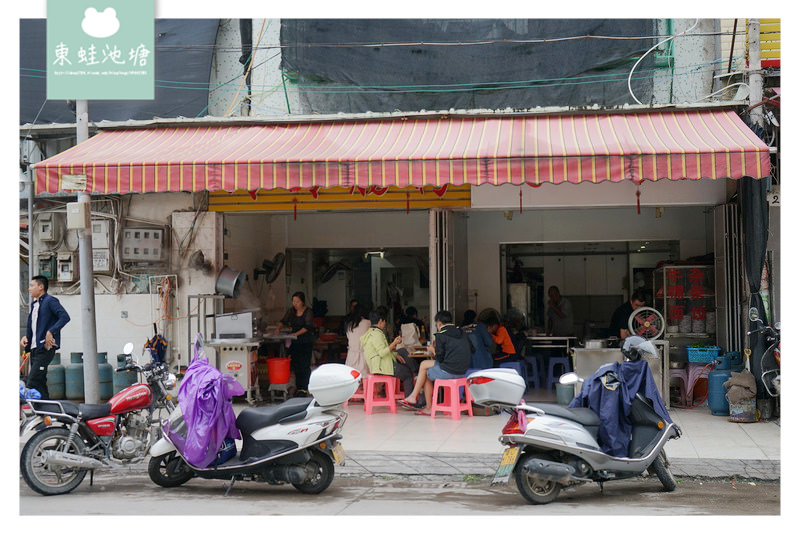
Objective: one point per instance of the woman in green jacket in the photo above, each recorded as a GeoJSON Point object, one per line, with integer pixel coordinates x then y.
{"type": "Point", "coordinates": [380, 355]}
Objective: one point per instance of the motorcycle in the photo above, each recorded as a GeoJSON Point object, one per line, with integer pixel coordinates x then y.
{"type": "Point", "coordinates": [550, 447]}
{"type": "Point", "coordinates": [295, 442]}
{"type": "Point", "coordinates": [773, 336]}
{"type": "Point", "coordinates": [71, 439]}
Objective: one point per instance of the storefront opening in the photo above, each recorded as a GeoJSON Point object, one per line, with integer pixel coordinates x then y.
{"type": "Point", "coordinates": [596, 277]}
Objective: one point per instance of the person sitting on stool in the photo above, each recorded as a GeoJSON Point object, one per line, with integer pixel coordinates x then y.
{"type": "Point", "coordinates": [506, 353]}
{"type": "Point", "coordinates": [452, 357]}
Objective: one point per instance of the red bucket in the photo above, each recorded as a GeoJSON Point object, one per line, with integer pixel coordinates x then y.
{"type": "Point", "coordinates": [279, 370]}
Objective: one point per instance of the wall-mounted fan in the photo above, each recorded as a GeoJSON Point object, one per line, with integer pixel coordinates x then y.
{"type": "Point", "coordinates": [333, 269]}
{"type": "Point", "coordinates": [270, 269]}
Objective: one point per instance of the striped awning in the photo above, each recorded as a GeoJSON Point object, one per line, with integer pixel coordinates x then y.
{"type": "Point", "coordinates": [415, 152]}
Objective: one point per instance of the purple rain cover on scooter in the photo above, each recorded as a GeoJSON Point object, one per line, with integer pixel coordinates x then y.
{"type": "Point", "coordinates": [614, 406]}
{"type": "Point", "coordinates": [204, 398]}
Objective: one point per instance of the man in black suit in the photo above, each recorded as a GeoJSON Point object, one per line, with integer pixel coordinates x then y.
{"type": "Point", "coordinates": [45, 321]}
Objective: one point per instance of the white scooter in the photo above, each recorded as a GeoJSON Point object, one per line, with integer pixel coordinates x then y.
{"type": "Point", "coordinates": [295, 442]}
{"type": "Point", "coordinates": [550, 446]}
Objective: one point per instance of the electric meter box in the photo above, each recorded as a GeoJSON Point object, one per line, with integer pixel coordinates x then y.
{"type": "Point", "coordinates": [101, 260]}
{"type": "Point", "coordinates": [66, 267]}
{"type": "Point", "coordinates": [47, 230]}
{"type": "Point", "coordinates": [47, 266]}
{"type": "Point", "coordinates": [78, 215]}
{"type": "Point", "coordinates": [100, 235]}
{"type": "Point", "coordinates": [143, 245]}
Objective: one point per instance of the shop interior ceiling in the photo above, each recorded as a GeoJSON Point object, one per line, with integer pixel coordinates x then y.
{"type": "Point", "coordinates": [590, 248]}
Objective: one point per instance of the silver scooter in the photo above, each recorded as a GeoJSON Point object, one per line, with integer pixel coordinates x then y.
{"type": "Point", "coordinates": [551, 447]}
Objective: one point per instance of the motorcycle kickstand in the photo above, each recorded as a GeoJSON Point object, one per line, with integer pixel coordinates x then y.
{"type": "Point", "coordinates": [91, 477]}
{"type": "Point", "coordinates": [230, 486]}
{"type": "Point", "coordinates": [601, 487]}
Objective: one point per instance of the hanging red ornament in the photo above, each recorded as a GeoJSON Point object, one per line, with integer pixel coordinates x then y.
{"type": "Point", "coordinates": [441, 190]}
{"type": "Point", "coordinates": [315, 191]}
{"type": "Point", "coordinates": [520, 201]}
{"type": "Point", "coordinates": [253, 194]}
{"type": "Point", "coordinates": [638, 202]}
{"type": "Point", "coordinates": [294, 201]}
{"type": "Point", "coordinates": [408, 202]}
{"type": "Point", "coordinates": [534, 185]}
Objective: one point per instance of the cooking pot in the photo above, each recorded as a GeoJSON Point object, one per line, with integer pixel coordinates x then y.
{"type": "Point", "coordinates": [596, 344]}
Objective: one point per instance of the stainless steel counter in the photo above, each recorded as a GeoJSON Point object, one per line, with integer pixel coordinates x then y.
{"type": "Point", "coordinates": [586, 362]}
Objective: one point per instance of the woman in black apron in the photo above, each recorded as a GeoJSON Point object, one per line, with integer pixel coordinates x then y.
{"type": "Point", "coordinates": [300, 320]}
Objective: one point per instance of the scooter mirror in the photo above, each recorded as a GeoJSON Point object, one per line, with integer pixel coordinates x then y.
{"type": "Point", "coordinates": [777, 325]}
{"type": "Point", "coordinates": [570, 378]}
{"type": "Point", "coordinates": [753, 314]}
{"type": "Point", "coordinates": [128, 348]}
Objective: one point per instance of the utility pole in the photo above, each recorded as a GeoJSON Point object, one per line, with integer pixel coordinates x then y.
{"type": "Point", "coordinates": [91, 372]}
{"type": "Point", "coordinates": [754, 77]}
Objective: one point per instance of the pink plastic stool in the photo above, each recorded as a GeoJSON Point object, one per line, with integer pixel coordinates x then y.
{"type": "Point", "coordinates": [359, 393]}
{"type": "Point", "coordinates": [388, 400]}
{"type": "Point", "coordinates": [696, 372]}
{"type": "Point", "coordinates": [452, 397]}
{"type": "Point", "coordinates": [682, 375]}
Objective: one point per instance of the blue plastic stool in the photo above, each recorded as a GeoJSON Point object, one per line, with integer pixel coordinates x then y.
{"type": "Point", "coordinates": [551, 378]}
{"type": "Point", "coordinates": [534, 373]}
{"type": "Point", "coordinates": [519, 367]}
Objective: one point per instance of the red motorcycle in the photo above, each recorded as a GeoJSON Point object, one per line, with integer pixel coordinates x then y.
{"type": "Point", "coordinates": [73, 439]}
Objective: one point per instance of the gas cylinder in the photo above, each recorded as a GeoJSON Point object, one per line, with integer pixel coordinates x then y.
{"type": "Point", "coordinates": [74, 376]}
{"type": "Point", "coordinates": [717, 401]}
{"type": "Point", "coordinates": [55, 378]}
{"type": "Point", "coordinates": [123, 379]}
{"type": "Point", "coordinates": [106, 375]}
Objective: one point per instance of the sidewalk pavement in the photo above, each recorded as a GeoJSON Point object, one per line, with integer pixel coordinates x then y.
{"type": "Point", "coordinates": [404, 444]}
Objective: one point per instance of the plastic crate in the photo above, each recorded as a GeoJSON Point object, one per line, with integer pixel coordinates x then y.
{"type": "Point", "coordinates": [702, 355]}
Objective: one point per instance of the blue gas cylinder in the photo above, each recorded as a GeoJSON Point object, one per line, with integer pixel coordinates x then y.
{"type": "Point", "coordinates": [717, 401]}
{"type": "Point", "coordinates": [56, 386]}
{"type": "Point", "coordinates": [106, 376]}
{"type": "Point", "coordinates": [123, 379]}
{"type": "Point", "coordinates": [74, 376]}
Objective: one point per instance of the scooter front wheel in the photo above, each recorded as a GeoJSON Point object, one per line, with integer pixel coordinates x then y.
{"type": "Point", "coordinates": [319, 474]}
{"type": "Point", "coordinates": [169, 470]}
{"type": "Point", "coordinates": [539, 491]}
{"type": "Point", "coordinates": [661, 470]}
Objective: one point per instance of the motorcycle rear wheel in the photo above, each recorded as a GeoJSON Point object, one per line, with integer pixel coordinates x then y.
{"type": "Point", "coordinates": [661, 470]}
{"type": "Point", "coordinates": [169, 470]}
{"type": "Point", "coordinates": [536, 492]}
{"type": "Point", "coordinates": [320, 471]}
{"type": "Point", "coordinates": [51, 480]}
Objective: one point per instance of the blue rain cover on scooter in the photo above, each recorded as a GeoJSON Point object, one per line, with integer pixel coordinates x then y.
{"type": "Point", "coordinates": [613, 404]}
{"type": "Point", "coordinates": [204, 397]}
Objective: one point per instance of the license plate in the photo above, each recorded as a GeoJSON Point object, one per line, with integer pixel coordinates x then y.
{"type": "Point", "coordinates": [507, 463]}
{"type": "Point", "coordinates": [338, 454]}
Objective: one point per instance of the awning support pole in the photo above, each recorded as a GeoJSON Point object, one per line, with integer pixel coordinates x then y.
{"type": "Point", "coordinates": [91, 372]}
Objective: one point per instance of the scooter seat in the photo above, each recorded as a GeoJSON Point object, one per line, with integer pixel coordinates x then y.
{"type": "Point", "coordinates": [582, 415]}
{"type": "Point", "coordinates": [254, 418]}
